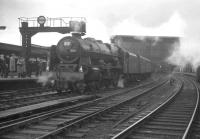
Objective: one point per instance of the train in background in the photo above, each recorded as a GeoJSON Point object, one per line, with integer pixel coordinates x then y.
{"type": "Point", "coordinates": [87, 64]}
{"type": "Point", "coordinates": [189, 68]}
{"type": "Point", "coordinates": [198, 74]}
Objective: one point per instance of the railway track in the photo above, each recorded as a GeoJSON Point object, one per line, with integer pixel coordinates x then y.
{"type": "Point", "coordinates": [172, 119]}
{"type": "Point", "coordinates": [13, 93]}
{"type": "Point", "coordinates": [50, 123]}
{"type": "Point", "coordinates": [24, 97]}
{"type": "Point", "coordinates": [104, 123]}
{"type": "Point", "coordinates": [19, 98]}
{"type": "Point", "coordinates": [19, 114]}
{"type": "Point", "coordinates": [194, 131]}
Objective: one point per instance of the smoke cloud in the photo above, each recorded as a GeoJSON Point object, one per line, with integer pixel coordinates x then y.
{"type": "Point", "coordinates": [45, 78]}
{"type": "Point", "coordinates": [106, 18]}
{"type": "Point", "coordinates": [189, 50]}
{"type": "Point", "coordinates": [187, 53]}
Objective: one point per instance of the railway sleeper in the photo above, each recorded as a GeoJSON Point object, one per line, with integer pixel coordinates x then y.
{"type": "Point", "coordinates": [175, 115]}
{"type": "Point", "coordinates": [142, 137]}
{"type": "Point", "coordinates": [75, 135]}
{"type": "Point", "coordinates": [171, 120]}
{"type": "Point", "coordinates": [197, 136]}
{"type": "Point", "coordinates": [181, 107]}
{"type": "Point", "coordinates": [197, 123]}
{"type": "Point", "coordinates": [160, 127]}
{"type": "Point", "coordinates": [197, 130]}
{"type": "Point", "coordinates": [161, 133]}
{"type": "Point", "coordinates": [111, 115]}
{"type": "Point", "coordinates": [180, 110]}
{"type": "Point", "coordinates": [177, 112]}
{"type": "Point", "coordinates": [86, 111]}
{"type": "Point", "coordinates": [75, 114]}
{"type": "Point", "coordinates": [32, 132]}
{"type": "Point", "coordinates": [167, 123]}
{"type": "Point", "coordinates": [66, 116]}
{"type": "Point", "coordinates": [197, 127]}
{"type": "Point", "coordinates": [16, 136]}
{"type": "Point", "coordinates": [93, 109]}
{"type": "Point", "coordinates": [50, 123]}
{"type": "Point", "coordinates": [106, 118]}
{"type": "Point", "coordinates": [43, 127]}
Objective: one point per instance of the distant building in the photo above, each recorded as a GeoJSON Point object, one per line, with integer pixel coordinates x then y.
{"type": "Point", "coordinates": [156, 48]}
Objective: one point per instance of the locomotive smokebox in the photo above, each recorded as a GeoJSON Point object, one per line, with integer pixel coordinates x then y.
{"type": "Point", "coordinates": [68, 49]}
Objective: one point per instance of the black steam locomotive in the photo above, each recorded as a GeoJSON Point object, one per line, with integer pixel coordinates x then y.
{"type": "Point", "coordinates": [78, 64]}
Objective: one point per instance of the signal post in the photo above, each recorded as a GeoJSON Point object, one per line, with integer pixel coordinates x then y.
{"type": "Point", "coordinates": [31, 26]}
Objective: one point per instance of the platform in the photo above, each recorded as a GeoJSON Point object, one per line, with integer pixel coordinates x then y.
{"type": "Point", "coordinates": [15, 83]}
{"type": "Point", "coordinates": [41, 106]}
{"type": "Point", "coordinates": [17, 79]}
{"type": "Point", "coordinates": [190, 74]}
{"type": "Point", "coordinates": [187, 73]}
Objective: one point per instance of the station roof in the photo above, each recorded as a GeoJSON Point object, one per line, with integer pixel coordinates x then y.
{"type": "Point", "coordinates": [36, 49]}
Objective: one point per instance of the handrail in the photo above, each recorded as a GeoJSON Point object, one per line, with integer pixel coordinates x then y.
{"type": "Point", "coordinates": [51, 22]}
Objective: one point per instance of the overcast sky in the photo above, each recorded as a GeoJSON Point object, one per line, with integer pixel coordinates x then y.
{"type": "Point", "coordinates": [105, 17]}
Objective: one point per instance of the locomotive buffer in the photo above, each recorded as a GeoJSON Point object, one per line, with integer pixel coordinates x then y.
{"type": "Point", "coordinates": [28, 27]}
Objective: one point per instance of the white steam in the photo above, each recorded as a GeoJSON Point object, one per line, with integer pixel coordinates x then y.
{"type": "Point", "coordinates": [45, 78]}
{"type": "Point", "coordinates": [173, 27]}
{"type": "Point", "coordinates": [187, 53]}
{"type": "Point", "coordinates": [106, 18]}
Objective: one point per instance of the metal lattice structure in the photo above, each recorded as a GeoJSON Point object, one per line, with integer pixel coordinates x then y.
{"type": "Point", "coordinates": [51, 22]}
{"type": "Point", "coordinates": [28, 27]}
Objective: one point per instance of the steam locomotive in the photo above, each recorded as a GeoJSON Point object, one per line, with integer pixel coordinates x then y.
{"type": "Point", "coordinates": [78, 64]}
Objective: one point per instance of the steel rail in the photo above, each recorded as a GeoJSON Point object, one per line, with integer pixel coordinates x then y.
{"type": "Point", "coordinates": [64, 110]}
{"type": "Point", "coordinates": [123, 134]}
{"type": "Point", "coordinates": [96, 113]}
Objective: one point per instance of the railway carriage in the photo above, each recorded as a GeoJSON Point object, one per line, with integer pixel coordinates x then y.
{"type": "Point", "coordinates": [131, 66]}
{"type": "Point", "coordinates": [145, 67]}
